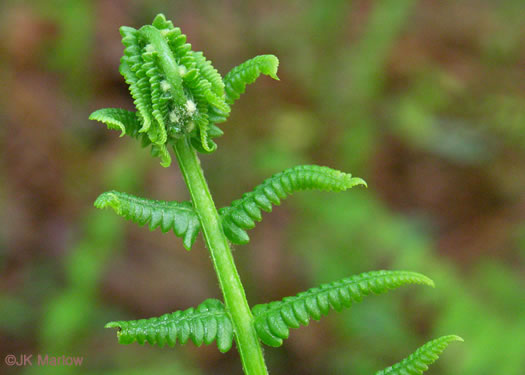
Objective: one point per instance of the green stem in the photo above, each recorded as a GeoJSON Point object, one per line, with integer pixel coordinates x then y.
{"type": "Point", "coordinates": [234, 297]}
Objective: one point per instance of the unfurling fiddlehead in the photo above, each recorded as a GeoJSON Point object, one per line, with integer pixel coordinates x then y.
{"type": "Point", "coordinates": [417, 363]}
{"type": "Point", "coordinates": [243, 213]}
{"type": "Point", "coordinates": [204, 324]}
{"type": "Point", "coordinates": [236, 80]}
{"type": "Point", "coordinates": [180, 217]}
{"type": "Point", "coordinates": [171, 102]}
{"type": "Point", "coordinates": [176, 91]}
{"type": "Point", "coordinates": [274, 320]}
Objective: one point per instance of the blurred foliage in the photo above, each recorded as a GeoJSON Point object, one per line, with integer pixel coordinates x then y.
{"type": "Point", "coordinates": [423, 99]}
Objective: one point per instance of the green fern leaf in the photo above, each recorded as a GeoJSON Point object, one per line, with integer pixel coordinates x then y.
{"type": "Point", "coordinates": [207, 323]}
{"type": "Point", "coordinates": [131, 63]}
{"type": "Point", "coordinates": [274, 320]}
{"type": "Point", "coordinates": [118, 119]}
{"type": "Point", "coordinates": [243, 213]}
{"type": "Point", "coordinates": [236, 80]}
{"type": "Point", "coordinates": [180, 217]}
{"type": "Point", "coordinates": [161, 152]}
{"type": "Point", "coordinates": [209, 73]}
{"type": "Point", "coordinates": [417, 363]}
{"type": "Point", "coordinates": [159, 101]}
{"type": "Point", "coordinates": [213, 132]}
{"type": "Point", "coordinates": [128, 122]}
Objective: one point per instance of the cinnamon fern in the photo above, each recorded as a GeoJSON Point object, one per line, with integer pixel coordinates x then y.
{"type": "Point", "coordinates": [244, 212]}
{"type": "Point", "coordinates": [207, 323]}
{"type": "Point", "coordinates": [179, 99]}
{"type": "Point", "coordinates": [274, 320]}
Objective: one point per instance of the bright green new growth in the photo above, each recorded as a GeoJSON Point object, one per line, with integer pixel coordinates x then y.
{"type": "Point", "coordinates": [274, 320]}
{"type": "Point", "coordinates": [179, 97]}
{"type": "Point", "coordinates": [417, 363]}
{"type": "Point", "coordinates": [176, 104]}
{"type": "Point", "coordinates": [243, 213]}
{"type": "Point", "coordinates": [207, 323]}
{"type": "Point", "coordinates": [180, 217]}
{"type": "Point", "coordinates": [129, 123]}
{"type": "Point", "coordinates": [236, 80]}
{"type": "Point", "coordinates": [118, 119]}
{"type": "Point", "coordinates": [176, 91]}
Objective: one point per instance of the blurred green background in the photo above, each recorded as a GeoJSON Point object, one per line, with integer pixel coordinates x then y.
{"type": "Point", "coordinates": [423, 99]}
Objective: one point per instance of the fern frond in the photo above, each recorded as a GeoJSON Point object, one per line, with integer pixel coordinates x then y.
{"type": "Point", "coordinates": [161, 152]}
{"type": "Point", "coordinates": [129, 123]}
{"type": "Point", "coordinates": [159, 102]}
{"type": "Point", "coordinates": [210, 73]}
{"type": "Point", "coordinates": [274, 320]}
{"type": "Point", "coordinates": [160, 22]}
{"type": "Point", "coordinates": [180, 217]}
{"type": "Point", "coordinates": [243, 213]}
{"type": "Point", "coordinates": [130, 64]}
{"type": "Point", "coordinates": [118, 119]}
{"type": "Point", "coordinates": [418, 362]}
{"type": "Point", "coordinates": [207, 323]}
{"type": "Point", "coordinates": [236, 80]}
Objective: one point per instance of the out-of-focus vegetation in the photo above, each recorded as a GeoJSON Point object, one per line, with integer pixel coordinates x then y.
{"type": "Point", "coordinates": [424, 99]}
